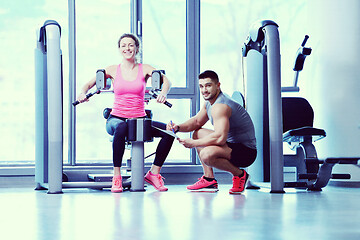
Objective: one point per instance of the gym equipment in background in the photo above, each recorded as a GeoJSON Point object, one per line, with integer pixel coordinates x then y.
{"type": "Point", "coordinates": [49, 108]}
{"type": "Point", "coordinates": [261, 51]}
{"type": "Point", "coordinates": [298, 131]}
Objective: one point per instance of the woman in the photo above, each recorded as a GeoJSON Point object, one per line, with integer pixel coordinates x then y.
{"type": "Point", "coordinates": [129, 84]}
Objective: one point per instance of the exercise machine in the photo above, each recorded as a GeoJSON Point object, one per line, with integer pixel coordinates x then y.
{"type": "Point", "coordinates": [49, 118]}
{"type": "Point", "coordinates": [49, 113]}
{"type": "Point", "coordinates": [298, 131]}
{"type": "Point", "coordinates": [278, 119]}
{"type": "Point", "coordinates": [261, 54]}
{"type": "Point", "coordinates": [139, 130]}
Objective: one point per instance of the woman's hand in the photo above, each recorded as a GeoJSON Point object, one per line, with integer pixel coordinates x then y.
{"type": "Point", "coordinates": [161, 98]}
{"type": "Point", "coordinates": [82, 98]}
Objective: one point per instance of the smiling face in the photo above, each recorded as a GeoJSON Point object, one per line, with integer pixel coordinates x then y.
{"type": "Point", "coordinates": [128, 48]}
{"type": "Point", "coordinates": [209, 89]}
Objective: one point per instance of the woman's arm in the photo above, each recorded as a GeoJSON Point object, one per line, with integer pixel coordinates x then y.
{"type": "Point", "coordinates": [110, 72]}
{"type": "Point", "coordinates": [165, 88]}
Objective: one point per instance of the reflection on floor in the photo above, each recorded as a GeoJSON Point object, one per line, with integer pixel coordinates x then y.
{"type": "Point", "coordinates": [179, 214]}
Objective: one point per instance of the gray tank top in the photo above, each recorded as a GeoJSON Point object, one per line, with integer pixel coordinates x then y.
{"type": "Point", "coordinates": [241, 126]}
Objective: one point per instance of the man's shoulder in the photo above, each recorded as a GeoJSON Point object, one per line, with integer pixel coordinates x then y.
{"type": "Point", "coordinates": [220, 109]}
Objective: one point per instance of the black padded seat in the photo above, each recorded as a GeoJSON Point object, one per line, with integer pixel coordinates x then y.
{"type": "Point", "coordinates": [298, 119]}
{"type": "Point", "coordinates": [107, 111]}
{"type": "Point", "coordinates": [298, 135]}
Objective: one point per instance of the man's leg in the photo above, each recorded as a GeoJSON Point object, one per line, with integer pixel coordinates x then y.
{"type": "Point", "coordinates": [215, 156]}
{"type": "Point", "coordinates": [200, 133]}
{"type": "Point", "coordinates": [207, 182]}
{"type": "Point", "coordinates": [219, 157]}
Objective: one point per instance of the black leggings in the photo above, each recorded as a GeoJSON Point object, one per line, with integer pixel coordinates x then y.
{"type": "Point", "coordinates": [121, 130]}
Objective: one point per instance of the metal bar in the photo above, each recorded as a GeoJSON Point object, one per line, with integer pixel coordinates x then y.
{"type": "Point", "coordinates": [137, 166]}
{"type": "Point", "coordinates": [193, 58]}
{"type": "Point", "coordinates": [55, 118]}
{"type": "Point", "coordinates": [72, 85]}
{"type": "Point", "coordinates": [275, 109]}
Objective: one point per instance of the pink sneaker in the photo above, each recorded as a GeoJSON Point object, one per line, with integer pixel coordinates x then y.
{"type": "Point", "coordinates": [239, 183]}
{"type": "Point", "coordinates": [117, 184]}
{"type": "Point", "coordinates": [204, 185]}
{"type": "Point", "coordinates": [156, 180]}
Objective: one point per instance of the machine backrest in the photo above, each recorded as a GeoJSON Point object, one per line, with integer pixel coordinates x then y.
{"type": "Point", "coordinates": [297, 113]}
{"type": "Point", "coordinates": [238, 97]}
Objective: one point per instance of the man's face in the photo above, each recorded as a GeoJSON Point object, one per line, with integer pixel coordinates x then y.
{"type": "Point", "coordinates": [208, 88]}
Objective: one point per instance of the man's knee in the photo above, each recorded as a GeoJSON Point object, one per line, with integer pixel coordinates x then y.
{"type": "Point", "coordinates": [206, 156]}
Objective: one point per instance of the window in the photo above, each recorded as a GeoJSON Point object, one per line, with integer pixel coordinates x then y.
{"type": "Point", "coordinates": [223, 35]}
{"type": "Point", "coordinates": [99, 25]}
{"type": "Point", "coordinates": [19, 21]}
{"type": "Point", "coordinates": [164, 38]}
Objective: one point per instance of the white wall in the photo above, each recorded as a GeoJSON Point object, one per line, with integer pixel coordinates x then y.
{"type": "Point", "coordinates": [332, 82]}
{"type": "Point", "coordinates": [332, 79]}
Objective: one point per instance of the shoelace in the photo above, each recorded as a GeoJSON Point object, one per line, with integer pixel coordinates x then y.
{"type": "Point", "coordinates": [201, 180]}
{"type": "Point", "coordinates": [238, 183]}
{"type": "Point", "coordinates": [161, 181]}
{"type": "Point", "coordinates": [117, 182]}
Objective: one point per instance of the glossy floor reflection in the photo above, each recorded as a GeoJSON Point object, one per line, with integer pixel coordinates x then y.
{"type": "Point", "coordinates": [177, 214]}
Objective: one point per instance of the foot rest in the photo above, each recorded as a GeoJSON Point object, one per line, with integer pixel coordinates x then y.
{"type": "Point", "coordinates": [103, 177]}
{"type": "Point", "coordinates": [340, 176]}
{"type": "Point", "coordinates": [309, 176]}
{"type": "Point", "coordinates": [342, 160]}
{"type": "Point", "coordinates": [295, 185]}
{"type": "Point", "coordinates": [313, 161]}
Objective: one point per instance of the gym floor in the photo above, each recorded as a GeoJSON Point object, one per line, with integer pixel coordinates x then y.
{"type": "Point", "coordinates": [179, 214]}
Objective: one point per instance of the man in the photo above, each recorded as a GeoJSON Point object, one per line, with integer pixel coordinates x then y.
{"type": "Point", "coordinates": [230, 146]}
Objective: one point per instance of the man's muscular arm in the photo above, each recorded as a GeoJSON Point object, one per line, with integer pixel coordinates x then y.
{"type": "Point", "coordinates": [220, 114]}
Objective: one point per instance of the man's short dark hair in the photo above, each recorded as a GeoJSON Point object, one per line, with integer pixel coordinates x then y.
{"type": "Point", "coordinates": [209, 74]}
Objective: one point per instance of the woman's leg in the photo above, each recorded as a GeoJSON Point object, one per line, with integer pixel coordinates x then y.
{"type": "Point", "coordinates": [117, 128]}
{"type": "Point", "coordinates": [163, 148]}
{"type": "Point", "coordinates": [153, 176]}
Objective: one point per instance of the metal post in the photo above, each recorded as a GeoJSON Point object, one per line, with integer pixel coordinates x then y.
{"type": "Point", "coordinates": [137, 159]}
{"type": "Point", "coordinates": [193, 59]}
{"type": "Point", "coordinates": [264, 38]}
{"type": "Point", "coordinates": [275, 108]}
{"type": "Point", "coordinates": [72, 85]}
{"type": "Point", "coordinates": [55, 116]}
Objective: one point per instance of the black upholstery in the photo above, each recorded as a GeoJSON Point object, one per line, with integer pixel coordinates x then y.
{"type": "Point", "coordinates": [297, 113]}
{"type": "Point", "coordinates": [107, 111]}
{"type": "Point", "coordinates": [298, 118]}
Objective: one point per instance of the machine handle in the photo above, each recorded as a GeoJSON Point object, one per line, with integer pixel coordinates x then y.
{"type": "Point", "coordinates": [154, 95]}
{"type": "Point", "coordinates": [305, 40]}
{"type": "Point", "coordinates": [168, 104]}
{"type": "Point", "coordinates": [89, 95]}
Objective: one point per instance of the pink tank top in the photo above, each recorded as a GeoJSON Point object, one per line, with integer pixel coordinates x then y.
{"type": "Point", "coordinates": [129, 95]}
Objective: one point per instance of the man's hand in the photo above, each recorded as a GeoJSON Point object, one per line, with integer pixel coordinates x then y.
{"type": "Point", "coordinates": [187, 142]}
{"type": "Point", "coordinates": [172, 127]}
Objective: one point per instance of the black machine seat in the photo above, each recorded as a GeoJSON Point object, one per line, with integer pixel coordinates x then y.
{"type": "Point", "coordinates": [299, 134]}
{"type": "Point", "coordinates": [298, 118]}
{"type": "Point", "coordinates": [107, 111]}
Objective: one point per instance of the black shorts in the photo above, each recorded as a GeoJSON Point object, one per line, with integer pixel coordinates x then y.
{"type": "Point", "coordinates": [241, 155]}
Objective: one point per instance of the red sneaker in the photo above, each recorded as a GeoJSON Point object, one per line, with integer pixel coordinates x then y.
{"type": "Point", "coordinates": [239, 183]}
{"type": "Point", "coordinates": [117, 184]}
{"type": "Point", "coordinates": [204, 185]}
{"type": "Point", "coordinates": [156, 180]}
